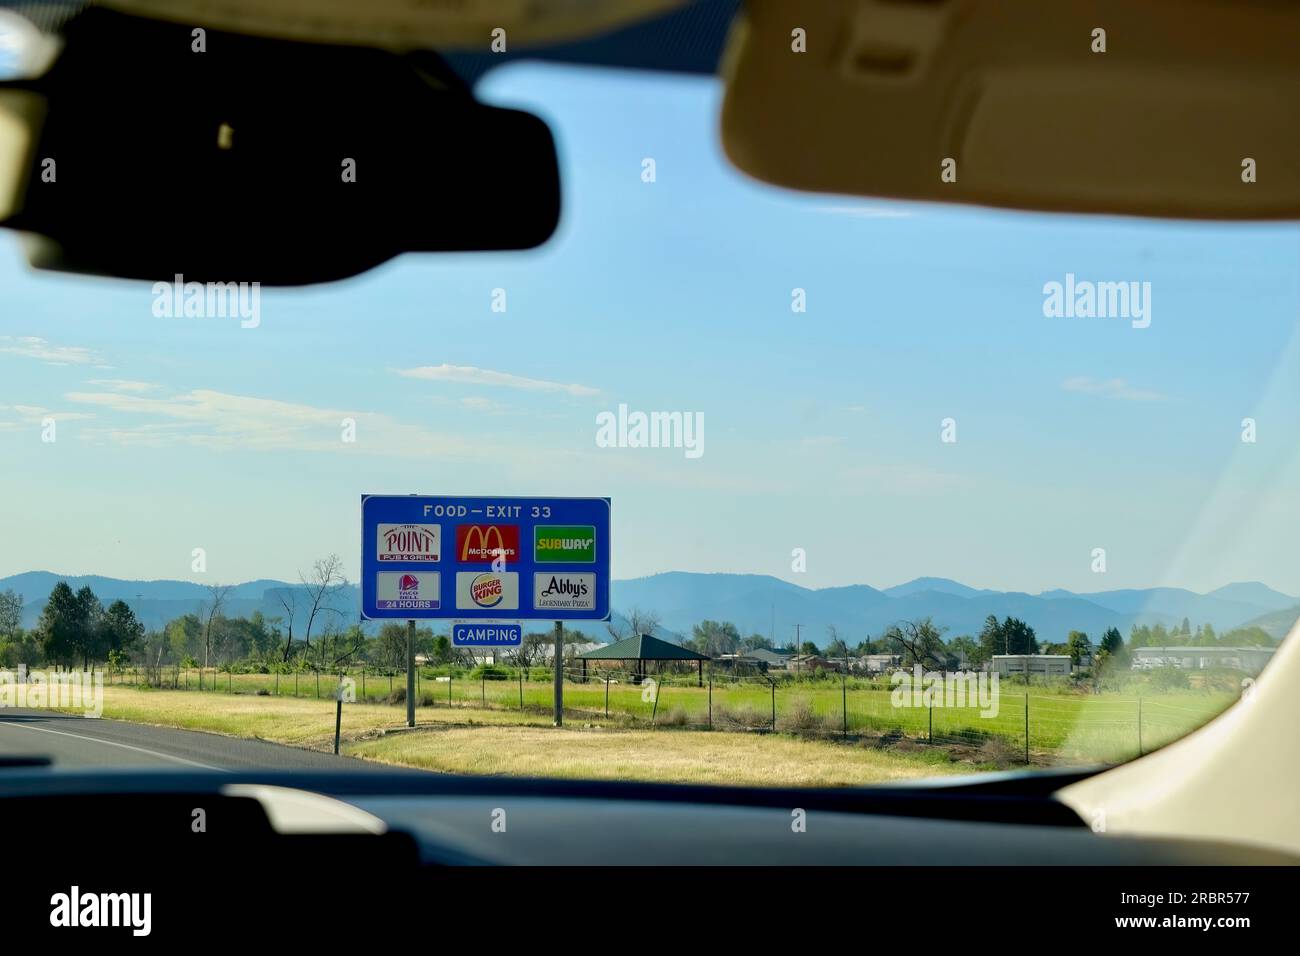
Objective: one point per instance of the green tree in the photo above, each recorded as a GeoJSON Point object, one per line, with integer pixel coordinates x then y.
{"type": "Point", "coordinates": [1138, 636]}
{"type": "Point", "coordinates": [966, 651]}
{"type": "Point", "coordinates": [1111, 642]}
{"type": "Point", "coordinates": [11, 613]}
{"type": "Point", "coordinates": [60, 625]}
{"type": "Point", "coordinates": [390, 646]}
{"type": "Point", "coordinates": [715, 637]}
{"type": "Point", "coordinates": [1018, 637]}
{"type": "Point", "coordinates": [918, 642]}
{"type": "Point", "coordinates": [89, 614]}
{"type": "Point", "coordinates": [1248, 637]}
{"type": "Point", "coordinates": [991, 640]}
{"type": "Point", "coordinates": [1078, 646]}
{"type": "Point", "coordinates": [119, 630]}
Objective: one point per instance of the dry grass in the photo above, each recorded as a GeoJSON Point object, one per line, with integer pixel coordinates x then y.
{"type": "Point", "coordinates": [474, 741]}
{"type": "Point", "coordinates": [668, 756]}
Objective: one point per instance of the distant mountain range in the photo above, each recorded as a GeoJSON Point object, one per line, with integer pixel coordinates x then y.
{"type": "Point", "coordinates": [761, 604]}
{"type": "Point", "coordinates": [157, 602]}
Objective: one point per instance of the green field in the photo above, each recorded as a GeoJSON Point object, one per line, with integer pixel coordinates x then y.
{"type": "Point", "coordinates": [1061, 728]}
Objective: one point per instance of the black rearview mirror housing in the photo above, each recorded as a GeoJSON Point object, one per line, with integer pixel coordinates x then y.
{"type": "Point", "coordinates": [255, 159]}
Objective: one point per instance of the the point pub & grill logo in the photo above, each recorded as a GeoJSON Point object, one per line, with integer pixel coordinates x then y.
{"type": "Point", "coordinates": [410, 543]}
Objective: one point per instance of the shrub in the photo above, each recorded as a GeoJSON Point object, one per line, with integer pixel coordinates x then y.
{"type": "Point", "coordinates": [677, 717]}
{"type": "Point", "coordinates": [1169, 678]}
{"type": "Point", "coordinates": [799, 715]}
{"type": "Point", "coordinates": [741, 718]}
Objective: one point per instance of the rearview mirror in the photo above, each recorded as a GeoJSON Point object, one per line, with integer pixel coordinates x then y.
{"type": "Point", "coordinates": [152, 152]}
{"type": "Point", "coordinates": [1161, 108]}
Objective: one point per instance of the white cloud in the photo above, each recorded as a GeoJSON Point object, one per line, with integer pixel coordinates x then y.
{"type": "Point", "coordinates": [470, 375]}
{"type": "Point", "coordinates": [36, 414]}
{"type": "Point", "coordinates": [34, 347]}
{"type": "Point", "coordinates": [221, 420]}
{"type": "Point", "coordinates": [1110, 388]}
{"type": "Point", "coordinates": [124, 385]}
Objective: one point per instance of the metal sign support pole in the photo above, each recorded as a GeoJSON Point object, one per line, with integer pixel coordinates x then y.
{"type": "Point", "coordinates": [559, 673]}
{"type": "Point", "coordinates": [410, 673]}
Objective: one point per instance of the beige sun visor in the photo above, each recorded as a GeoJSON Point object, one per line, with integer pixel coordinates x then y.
{"type": "Point", "coordinates": [445, 25]}
{"type": "Point", "coordinates": [1177, 108]}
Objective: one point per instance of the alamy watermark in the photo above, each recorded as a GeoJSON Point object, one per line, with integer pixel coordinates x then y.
{"type": "Point", "coordinates": [64, 690]}
{"type": "Point", "coordinates": [209, 300]}
{"type": "Point", "coordinates": [626, 429]}
{"type": "Point", "coordinates": [1083, 299]}
{"type": "Point", "coordinates": [922, 688]}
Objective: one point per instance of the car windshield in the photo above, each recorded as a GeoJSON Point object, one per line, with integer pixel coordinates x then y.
{"type": "Point", "coordinates": [897, 490]}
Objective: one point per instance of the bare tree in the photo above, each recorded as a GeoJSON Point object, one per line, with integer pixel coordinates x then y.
{"type": "Point", "coordinates": [638, 622]}
{"type": "Point", "coordinates": [323, 584]}
{"type": "Point", "coordinates": [529, 651]}
{"type": "Point", "coordinates": [211, 614]}
{"type": "Point", "coordinates": [337, 650]}
{"type": "Point", "coordinates": [288, 598]}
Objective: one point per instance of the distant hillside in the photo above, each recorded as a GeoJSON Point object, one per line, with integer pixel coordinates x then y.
{"type": "Point", "coordinates": [157, 602]}
{"type": "Point", "coordinates": [761, 604]}
{"type": "Point", "coordinates": [1277, 623]}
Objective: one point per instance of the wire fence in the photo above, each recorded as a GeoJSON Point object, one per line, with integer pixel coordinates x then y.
{"type": "Point", "coordinates": [1011, 724]}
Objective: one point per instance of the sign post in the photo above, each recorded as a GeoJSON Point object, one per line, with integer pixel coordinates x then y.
{"type": "Point", "coordinates": [410, 673]}
{"type": "Point", "coordinates": [485, 562]}
{"type": "Point", "coordinates": [559, 673]}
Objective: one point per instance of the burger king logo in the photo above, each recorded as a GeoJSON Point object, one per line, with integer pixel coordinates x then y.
{"type": "Point", "coordinates": [487, 589]}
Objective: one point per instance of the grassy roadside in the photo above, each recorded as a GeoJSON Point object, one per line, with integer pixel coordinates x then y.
{"type": "Point", "coordinates": [470, 740]}
{"type": "Point", "coordinates": [717, 757]}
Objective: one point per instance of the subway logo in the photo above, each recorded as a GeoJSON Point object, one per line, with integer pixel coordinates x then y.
{"type": "Point", "coordinates": [558, 543]}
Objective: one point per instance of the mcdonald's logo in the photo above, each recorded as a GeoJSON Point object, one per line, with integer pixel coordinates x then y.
{"type": "Point", "coordinates": [485, 542]}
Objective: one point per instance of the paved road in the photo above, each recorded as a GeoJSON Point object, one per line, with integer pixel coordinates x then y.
{"type": "Point", "coordinates": [74, 741]}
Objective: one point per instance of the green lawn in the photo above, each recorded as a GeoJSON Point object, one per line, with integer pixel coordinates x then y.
{"type": "Point", "coordinates": [1073, 728]}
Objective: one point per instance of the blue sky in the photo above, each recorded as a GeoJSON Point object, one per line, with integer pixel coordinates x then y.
{"type": "Point", "coordinates": [822, 429]}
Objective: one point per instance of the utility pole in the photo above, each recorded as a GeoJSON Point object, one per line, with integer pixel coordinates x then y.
{"type": "Point", "coordinates": [798, 644]}
{"type": "Point", "coordinates": [410, 673]}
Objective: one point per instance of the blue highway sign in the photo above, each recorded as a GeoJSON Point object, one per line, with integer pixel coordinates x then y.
{"type": "Point", "coordinates": [487, 635]}
{"type": "Point", "coordinates": [489, 559]}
